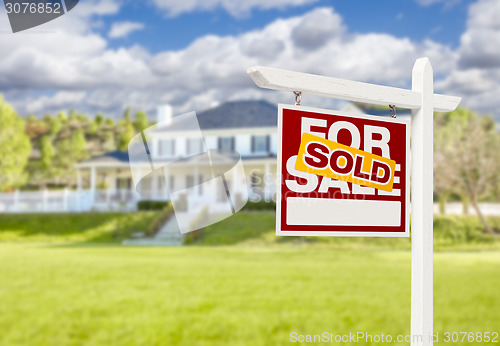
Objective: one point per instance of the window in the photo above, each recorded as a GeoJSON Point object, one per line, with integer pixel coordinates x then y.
{"type": "Point", "coordinates": [194, 146]}
{"type": "Point", "coordinates": [123, 183]}
{"type": "Point", "coordinates": [189, 181]}
{"type": "Point", "coordinates": [166, 148]}
{"type": "Point", "coordinates": [260, 144]}
{"type": "Point", "coordinates": [226, 143]}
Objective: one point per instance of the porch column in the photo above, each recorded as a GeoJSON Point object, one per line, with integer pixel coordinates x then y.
{"type": "Point", "coordinates": [138, 173]}
{"type": "Point", "coordinates": [166, 179]}
{"type": "Point", "coordinates": [79, 180]}
{"type": "Point", "coordinates": [108, 195]}
{"type": "Point", "coordinates": [196, 181]}
{"type": "Point", "coordinates": [153, 187]}
{"type": "Point", "coordinates": [235, 178]}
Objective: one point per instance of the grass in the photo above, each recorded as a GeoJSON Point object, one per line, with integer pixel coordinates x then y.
{"type": "Point", "coordinates": [73, 227]}
{"type": "Point", "coordinates": [257, 228]}
{"type": "Point", "coordinates": [251, 288]}
{"type": "Point", "coordinates": [58, 295]}
{"type": "Point", "coordinates": [247, 228]}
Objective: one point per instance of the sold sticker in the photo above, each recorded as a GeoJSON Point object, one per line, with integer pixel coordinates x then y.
{"type": "Point", "coordinates": [334, 160]}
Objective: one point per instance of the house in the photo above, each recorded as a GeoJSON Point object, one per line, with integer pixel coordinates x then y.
{"type": "Point", "coordinates": [106, 182]}
{"type": "Point", "coordinates": [246, 127]}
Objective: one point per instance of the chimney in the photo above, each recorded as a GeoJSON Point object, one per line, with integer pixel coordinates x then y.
{"type": "Point", "coordinates": [164, 114]}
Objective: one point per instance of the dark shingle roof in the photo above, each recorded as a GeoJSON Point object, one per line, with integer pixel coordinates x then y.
{"type": "Point", "coordinates": [113, 156]}
{"type": "Point", "coordinates": [239, 114]}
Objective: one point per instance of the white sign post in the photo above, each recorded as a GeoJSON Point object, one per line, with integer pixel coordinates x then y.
{"type": "Point", "coordinates": [423, 102]}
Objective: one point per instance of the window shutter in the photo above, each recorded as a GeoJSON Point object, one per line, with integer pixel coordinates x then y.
{"type": "Point", "coordinates": [232, 143]}
{"type": "Point", "coordinates": [219, 143]}
{"type": "Point", "coordinates": [188, 146]}
{"type": "Point", "coordinates": [253, 144]}
{"type": "Point", "coordinates": [268, 143]}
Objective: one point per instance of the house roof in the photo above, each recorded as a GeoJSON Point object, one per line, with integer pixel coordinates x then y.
{"type": "Point", "coordinates": [230, 115]}
{"type": "Point", "coordinates": [239, 114]}
{"type": "Point", "coordinates": [116, 156]}
{"type": "Point", "coordinates": [120, 158]}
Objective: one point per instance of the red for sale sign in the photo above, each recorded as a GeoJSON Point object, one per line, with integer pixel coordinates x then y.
{"type": "Point", "coordinates": [342, 175]}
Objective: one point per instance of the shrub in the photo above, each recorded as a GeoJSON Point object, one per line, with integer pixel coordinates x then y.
{"type": "Point", "coordinates": [159, 220]}
{"type": "Point", "coordinates": [152, 205]}
{"type": "Point", "coordinates": [262, 205]}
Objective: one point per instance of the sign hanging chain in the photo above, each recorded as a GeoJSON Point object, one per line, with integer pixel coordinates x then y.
{"type": "Point", "coordinates": [392, 110]}
{"type": "Point", "coordinates": [298, 97]}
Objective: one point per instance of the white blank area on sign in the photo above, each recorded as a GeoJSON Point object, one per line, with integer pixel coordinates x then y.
{"type": "Point", "coordinates": [342, 212]}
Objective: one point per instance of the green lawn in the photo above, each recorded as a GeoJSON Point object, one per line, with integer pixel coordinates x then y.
{"type": "Point", "coordinates": [238, 284]}
{"type": "Point", "coordinates": [73, 227]}
{"type": "Point", "coordinates": [248, 228]}
{"type": "Point", "coordinates": [462, 233]}
{"type": "Point", "coordinates": [111, 295]}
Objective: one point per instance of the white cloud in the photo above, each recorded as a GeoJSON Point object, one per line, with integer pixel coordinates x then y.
{"type": "Point", "coordinates": [477, 74]}
{"type": "Point", "coordinates": [61, 100]}
{"type": "Point", "coordinates": [174, 8]}
{"type": "Point", "coordinates": [316, 28]}
{"type": "Point", "coordinates": [123, 29]}
{"type": "Point", "coordinates": [447, 3]}
{"type": "Point", "coordinates": [484, 14]}
{"type": "Point", "coordinates": [91, 76]}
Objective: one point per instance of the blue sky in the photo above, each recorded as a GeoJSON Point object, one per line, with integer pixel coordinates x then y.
{"type": "Point", "coordinates": [106, 55]}
{"type": "Point", "coordinates": [443, 22]}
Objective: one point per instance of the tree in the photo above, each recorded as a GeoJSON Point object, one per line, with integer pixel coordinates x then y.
{"type": "Point", "coordinates": [126, 114]}
{"type": "Point", "coordinates": [99, 119]}
{"type": "Point", "coordinates": [79, 145]}
{"type": "Point", "coordinates": [69, 151]}
{"type": "Point", "coordinates": [47, 153]}
{"type": "Point", "coordinates": [62, 117]}
{"type": "Point", "coordinates": [141, 121]}
{"type": "Point", "coordinates": [15, 147]}
{"type": "Point", "coordinates": [467, 151]}
{"type": "Point", "coordinates": [54, 124]}
{"type": "Point", "coordinates": [93, 128]}
{"type": "Point", "coordinates": [108, 143]}
{"type": "Point", "coordinates": [72, 114]}
{"type": "Point", "coordinates": [125, 136]}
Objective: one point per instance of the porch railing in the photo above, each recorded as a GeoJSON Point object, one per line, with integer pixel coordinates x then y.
{"type": "Point", "coordinates": [68, 200]}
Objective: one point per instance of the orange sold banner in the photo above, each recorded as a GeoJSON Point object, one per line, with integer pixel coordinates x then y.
{"type": "Point", "coordinates": [334, 160]}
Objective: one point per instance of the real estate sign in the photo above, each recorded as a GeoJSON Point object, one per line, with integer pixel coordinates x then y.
{"type": "Point", "coordinates": [342, 175]}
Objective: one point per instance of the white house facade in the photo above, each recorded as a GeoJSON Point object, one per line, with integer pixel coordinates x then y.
{"type": "Point", "coordinates": [106, 182]}
{"type": "Point", "coordinates": [247, 127]}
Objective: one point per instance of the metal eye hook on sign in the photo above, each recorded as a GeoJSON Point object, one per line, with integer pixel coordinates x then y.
{"type": "Point", "coordinates": [392, 110]}
{"type": "Point", "coordinates": [298, 97]}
